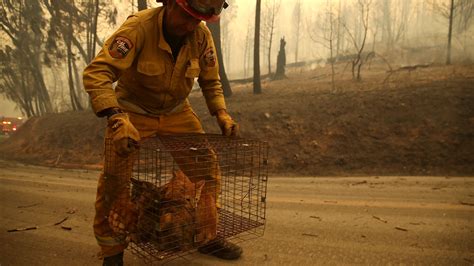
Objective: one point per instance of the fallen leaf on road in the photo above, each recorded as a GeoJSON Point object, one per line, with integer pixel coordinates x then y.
{"type": "Point", "coordinates": [466, 203]}
{"type": "Point", "coordinates": [60, 222]}
{"type": "Point", "coordinates": [23, 229]}
{"type": "Point", "coordinates": [420, 223]}
{"type": "Point", "coordinates": [359, 183]}
{"type": "Point", "coordinates": [380, 219]}
{"type": "Point", "coordinates": [401, 229]}
{"type": "Point", "coordinates": [27, 206]}
{"type": "Point", "coordinates": [376, 183]}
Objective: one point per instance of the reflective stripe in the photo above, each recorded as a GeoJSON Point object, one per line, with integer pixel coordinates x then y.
{"type": "Point", "coordinates": [110, 241]}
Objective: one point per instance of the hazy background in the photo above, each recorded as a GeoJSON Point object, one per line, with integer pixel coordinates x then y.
{"type": "Point", "coordinates": [7, 108]}
{"type": "Point", "coordinates": [421, 27]}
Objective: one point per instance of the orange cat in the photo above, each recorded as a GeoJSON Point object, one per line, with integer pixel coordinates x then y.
{"type": "Point", "coordinates": [179, 200]}
{"type": "Point", "coordinates": [167, 214]}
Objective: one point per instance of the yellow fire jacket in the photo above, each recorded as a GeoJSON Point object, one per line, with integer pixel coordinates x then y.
{"type": "Point", "coordinates": [149, 80]}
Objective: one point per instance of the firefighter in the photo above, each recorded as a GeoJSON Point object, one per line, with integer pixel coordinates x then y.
{"type": "Point", "coordinates": [155, 57]}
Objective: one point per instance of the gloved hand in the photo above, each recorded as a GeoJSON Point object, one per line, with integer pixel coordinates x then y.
{"type": "Point", "coordinates": [228, 126]}
{"type": "Point", "coordinates": [124, 135]}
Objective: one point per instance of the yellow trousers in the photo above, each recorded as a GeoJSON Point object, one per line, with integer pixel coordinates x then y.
{"type": "Point", "coordinates": [115, 180]}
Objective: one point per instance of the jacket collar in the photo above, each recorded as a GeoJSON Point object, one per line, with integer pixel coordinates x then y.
{"type": "Point", "coordinates": [162, 44]}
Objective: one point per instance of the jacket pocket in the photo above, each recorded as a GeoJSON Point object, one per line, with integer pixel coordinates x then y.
{"type": "Point", "coordinates": [193, 70]}
{"type": "Point", "coordinates": [151, 68]}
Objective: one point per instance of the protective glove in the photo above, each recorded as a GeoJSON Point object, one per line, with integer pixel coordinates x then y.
{"type": "Point", "coordinates": [124, 135]}
{"type": "Point", "coordinates": [228, 126]}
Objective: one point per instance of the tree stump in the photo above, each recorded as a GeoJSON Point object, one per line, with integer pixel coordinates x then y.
{"type": "Point", "coordinates": [281, 61]}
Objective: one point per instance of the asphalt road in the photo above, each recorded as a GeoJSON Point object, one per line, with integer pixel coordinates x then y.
{"type": "Point", "coordinates": [310, 221]}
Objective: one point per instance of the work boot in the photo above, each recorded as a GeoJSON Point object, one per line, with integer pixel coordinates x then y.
{"type": "Point", "coordinates": [222, 249]}
{"type": "Point", "coordinates": [115, 260]}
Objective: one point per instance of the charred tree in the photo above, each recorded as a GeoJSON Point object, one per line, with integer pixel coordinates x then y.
{"type": "Point", "coordinates": [450, 32]}
{"type": "Point", "coordinates": [24, 24]}
{"type": "Point", "coordinates": [215, 29]}
{"type": "Point", "coordinates": [358, 59]}
{"type": "Point", "coordinates": [338, 31]}
{"type": "Point", "coordinates": [142, 5]}
{"type": "Point", "coordinates": [67, 35]}
{"type": "Point", "coordinates": [281, 61]}
{"type": "Point", "coordinates": [272, 12]}
{"type": "Point", "coordinates": [46, 35]}
{"type": "Point", "coordinates": [257, 86]}
{"type": "Point", "coordinates": [387, 24]}
{"type": "Point", "coordinates": [91, 11]}
{"type": "Point", "coordinates": [297, 21]}
{"type": "Point", "coordinates": [325, 34]}
{"type": "Point", "coordinates": [459, 15]}
{"type": "Point", "coordinates": [247, 53]}
{"type": "Point", "coordinates": [227, 35]}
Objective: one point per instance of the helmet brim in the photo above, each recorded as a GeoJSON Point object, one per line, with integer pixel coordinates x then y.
{"type": "Point", "coordinates": [208, 18]}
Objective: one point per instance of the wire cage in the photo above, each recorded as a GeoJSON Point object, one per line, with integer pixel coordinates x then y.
{"type": "Point", "coordinates": [184, 191]}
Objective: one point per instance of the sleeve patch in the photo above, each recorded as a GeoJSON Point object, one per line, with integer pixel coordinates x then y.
{"type": "Point", "coordinates": [120, 47]}
{"type": "Point", "coordinates": [210, 58]}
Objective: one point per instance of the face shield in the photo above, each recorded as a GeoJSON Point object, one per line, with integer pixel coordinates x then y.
{"type": "Point", "coordinates": [208, 11]}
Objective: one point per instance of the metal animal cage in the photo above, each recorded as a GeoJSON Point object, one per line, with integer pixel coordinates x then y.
{"type": "Point", "coordinates": [187, 190]}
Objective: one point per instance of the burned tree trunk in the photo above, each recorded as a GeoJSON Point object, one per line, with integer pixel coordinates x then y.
{"type": "Point", "coordinates": [215, 29]}
{"type": "Point", "coordinates": [142, 5]}
{"type": "Point", "coordinates": [281, 61]}
{"type": "Point", "coordinates": [297, 21]}
{"type": "Point", "coordinates": [257, 86]}
{"type": "Point", "coordinates": [450, 32]}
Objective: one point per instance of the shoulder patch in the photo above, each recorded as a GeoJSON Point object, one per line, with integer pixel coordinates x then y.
{"type": "Point", "coordinates": [120, 47]}
{"type": "Point", "coordinates": [209, 58]}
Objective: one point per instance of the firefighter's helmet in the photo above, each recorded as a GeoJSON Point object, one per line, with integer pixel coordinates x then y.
{"type": "Point", "coordinates": [207, 10]}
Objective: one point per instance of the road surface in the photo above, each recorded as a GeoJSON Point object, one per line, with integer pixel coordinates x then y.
{"type": "Point", "coordinates": [310, 221]}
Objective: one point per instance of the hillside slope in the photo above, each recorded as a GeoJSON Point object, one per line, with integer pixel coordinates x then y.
{"type": "Point", "coordinates": [417, 122]}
